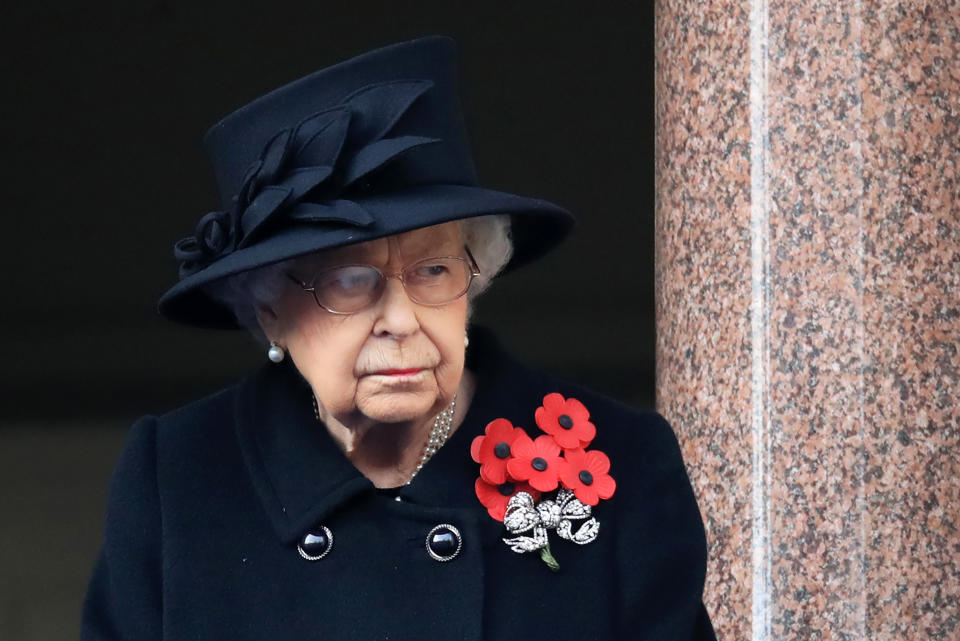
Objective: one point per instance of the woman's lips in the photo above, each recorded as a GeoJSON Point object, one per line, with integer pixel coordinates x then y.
{"type": "Point", "coordinates": [409, 371]}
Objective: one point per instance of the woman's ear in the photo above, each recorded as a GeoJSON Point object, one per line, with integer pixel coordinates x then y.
{"type": "Point", "coordinates": [269, 322]}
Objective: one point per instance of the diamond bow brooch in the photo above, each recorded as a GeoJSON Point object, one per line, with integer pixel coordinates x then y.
{"type": "Point", "coordinates": [550, 483]}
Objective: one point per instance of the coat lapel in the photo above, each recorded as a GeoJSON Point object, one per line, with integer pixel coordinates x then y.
{"type": "Point", "coordinates": [299, 473]}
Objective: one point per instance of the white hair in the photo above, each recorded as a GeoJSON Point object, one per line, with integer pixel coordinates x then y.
{"type": "Point", "coordinates": [488, 238]}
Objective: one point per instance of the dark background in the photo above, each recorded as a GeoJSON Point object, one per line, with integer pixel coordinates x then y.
{"type": "Point", "coordinates": [105, 107]}
{"type": "Point", "coordinates": [103, 110]}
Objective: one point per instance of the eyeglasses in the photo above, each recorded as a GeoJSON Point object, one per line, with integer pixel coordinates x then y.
{"type": "Point", "coordinates": [348, 289]}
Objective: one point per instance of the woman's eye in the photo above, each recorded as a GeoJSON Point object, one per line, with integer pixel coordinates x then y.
{"type": "Point", "coordinates": [435, 270]}
{"type": "Point", "coordinates": [350, 280]}
{"type": "Point", "coordinates": [351, 283]}
{"type": "Point", "coordinates": [430, 271]}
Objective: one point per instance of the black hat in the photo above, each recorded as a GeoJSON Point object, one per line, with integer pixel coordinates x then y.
{"type": "Point", "coordinates": [367, 148]}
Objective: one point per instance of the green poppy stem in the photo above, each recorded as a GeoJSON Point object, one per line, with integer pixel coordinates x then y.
{"type": "Point", "coordinates": [547, 558]}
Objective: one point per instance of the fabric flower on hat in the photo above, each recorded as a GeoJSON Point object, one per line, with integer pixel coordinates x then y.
{"type": "Point", "coordinates": [586, 474]}
{"type": "Point", "coordinates": [306, 173]}
{"type": "Point", "coordinates": [536, 461]}
{"type": "Point", "coordinates": [566, 420]}
{"type": "Point", "coordinates": [494, 449]}
{"type": "Point", "coordinates": [496, 497]}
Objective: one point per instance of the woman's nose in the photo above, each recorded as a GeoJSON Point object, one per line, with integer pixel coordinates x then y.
{"type": "Point", "coordinates": [397, 313]}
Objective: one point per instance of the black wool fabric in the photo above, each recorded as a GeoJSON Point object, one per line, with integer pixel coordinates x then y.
{"type": "Point", "coordinates": [208, 503]}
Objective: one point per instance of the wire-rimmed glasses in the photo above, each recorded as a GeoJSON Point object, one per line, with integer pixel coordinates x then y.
{"type": "Point", "coordinates": [435, 281]}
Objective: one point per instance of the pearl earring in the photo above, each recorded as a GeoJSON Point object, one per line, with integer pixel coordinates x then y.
{"type": "Point", "coordinates": [275, 353]}
{"type": "Point", "coordinates": [466, 341]}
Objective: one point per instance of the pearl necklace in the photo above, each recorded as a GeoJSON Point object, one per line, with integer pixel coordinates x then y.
{"type": "Point", "coordinates": [439, 433]}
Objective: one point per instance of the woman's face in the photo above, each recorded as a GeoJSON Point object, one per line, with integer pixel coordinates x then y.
{"type": "Point", "coordinates": [394, 361]}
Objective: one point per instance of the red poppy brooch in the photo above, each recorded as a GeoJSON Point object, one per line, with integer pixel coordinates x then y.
{"type": "Point", "coordinates": [548, 483]}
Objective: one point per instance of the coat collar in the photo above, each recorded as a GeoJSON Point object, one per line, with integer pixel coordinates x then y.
{"type": "Point", "coordinates": [301, 475]}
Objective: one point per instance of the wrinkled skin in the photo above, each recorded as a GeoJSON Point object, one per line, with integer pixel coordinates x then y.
{"type": "Point", "coordinates": [380, 420]}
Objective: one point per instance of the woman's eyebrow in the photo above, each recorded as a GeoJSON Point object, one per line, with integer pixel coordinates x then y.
{"type": "Point", "coordinates": [346, 256]}
{"type": "Point", "coordinates": [428, 249]}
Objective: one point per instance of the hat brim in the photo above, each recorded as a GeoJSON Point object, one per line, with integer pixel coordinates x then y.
{"type": "Point", "coordinates": [536, 227]}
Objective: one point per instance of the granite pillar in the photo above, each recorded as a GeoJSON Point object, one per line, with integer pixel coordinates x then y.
{"type": "Point", "coordinates": [808, 277]}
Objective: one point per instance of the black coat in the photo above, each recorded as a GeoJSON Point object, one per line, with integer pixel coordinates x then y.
{"type": "Point", "coordinates": [208, 503]}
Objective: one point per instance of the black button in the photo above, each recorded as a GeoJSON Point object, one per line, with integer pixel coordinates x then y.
{"type": "Point", "coordinates": [444, 542]}
{"type": "Point", "coordinates": [586, 477]}
{"type": "Point", "coordinates": [538, 464]}
{"type": "Point", "coordinates": [502, 450]}
{"type": "Point", "coordinates": [565, 421]}
{"type": "Point", "coordinates": [316, 544]}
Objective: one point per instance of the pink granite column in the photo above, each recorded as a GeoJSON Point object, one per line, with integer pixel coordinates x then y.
{"type": "Point", "coordinates": [808, 269]}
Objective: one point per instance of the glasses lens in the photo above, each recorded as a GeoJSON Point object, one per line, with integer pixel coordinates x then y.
{"type": "Point", "coordinates": [349, 288]}
{"type": "Point", "coordinates": [435, 281]}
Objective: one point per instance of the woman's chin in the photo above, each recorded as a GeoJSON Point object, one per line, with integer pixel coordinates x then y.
{"type": "Point", "coordinates": [398, 407]}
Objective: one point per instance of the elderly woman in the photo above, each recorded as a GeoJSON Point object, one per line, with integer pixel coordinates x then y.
{"type": "Point", "coordinates": [390, 473]}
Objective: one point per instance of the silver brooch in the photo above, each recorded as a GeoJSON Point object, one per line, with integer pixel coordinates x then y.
{"type": "Point", "coordinates": [534, 520]}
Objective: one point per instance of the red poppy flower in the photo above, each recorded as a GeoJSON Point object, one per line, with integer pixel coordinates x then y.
{"type": "Point", "coordinates": [536, 461]}
{"type": "Point", "coordinates": [585, 473]}
{"type": "Point", "coordinates": [566, 420]}
{"type": "Point", "coordinates": [494, 449]}
{"type": "Point", "coordinates": [496, 497]}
